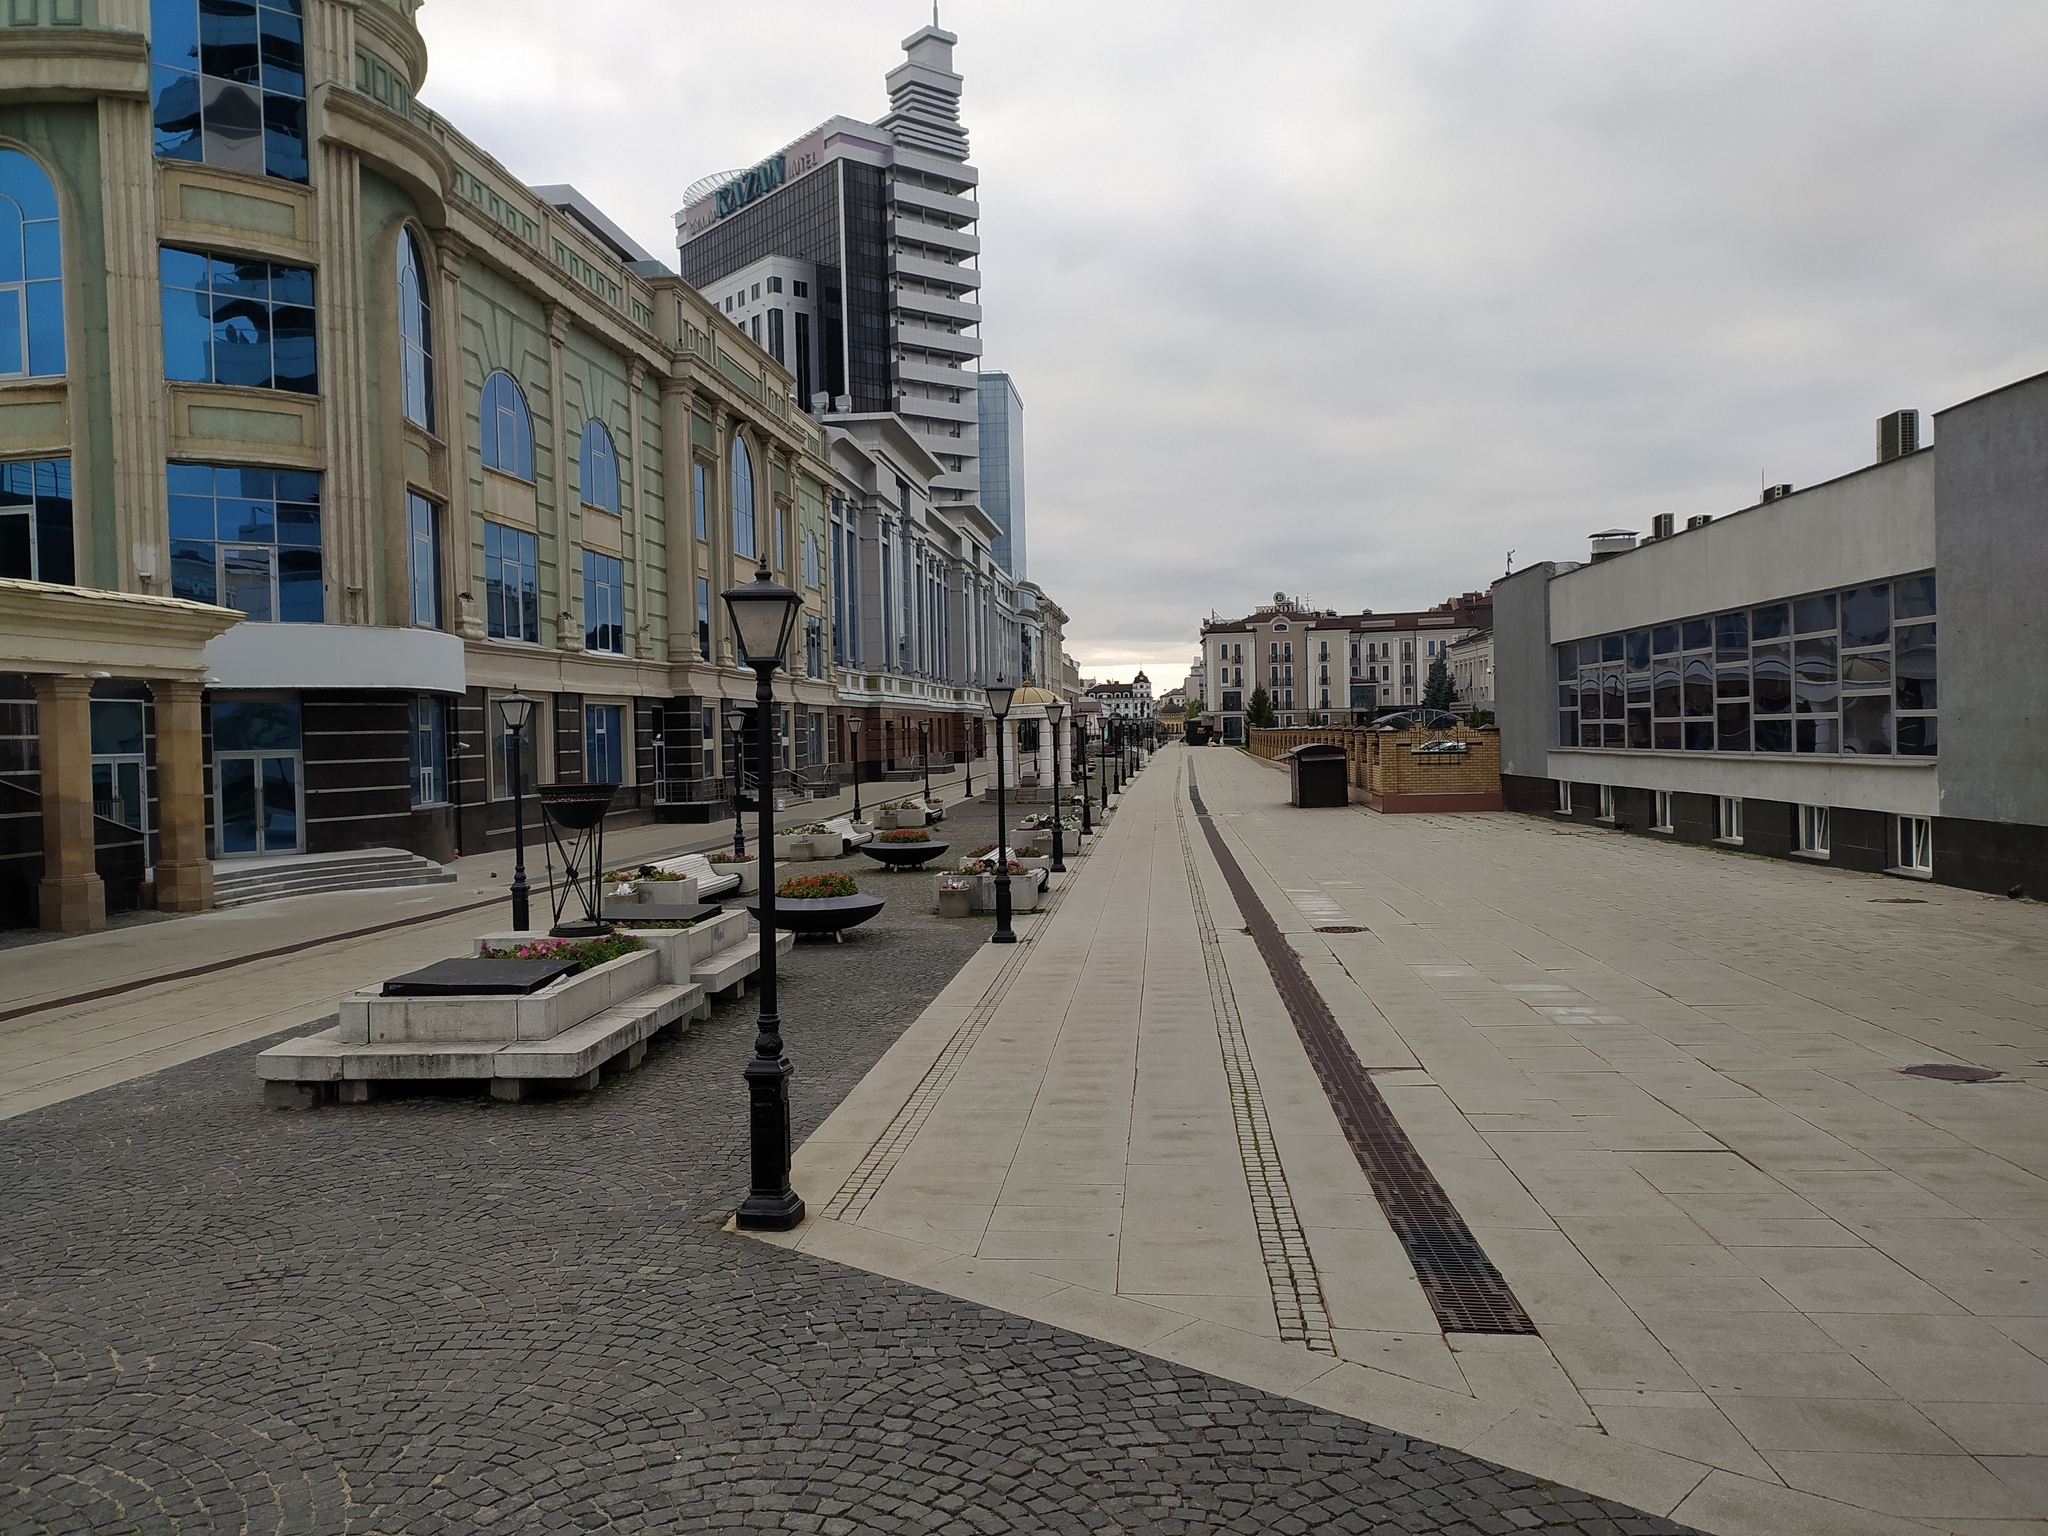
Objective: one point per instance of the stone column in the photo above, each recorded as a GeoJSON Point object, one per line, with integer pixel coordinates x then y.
{"type": "Point", "coordinates": [1047, 759]}
{"type": "Point", "coordinates": [1062, 753]}
{"type": "Point", "coordinates": [184, 874]}
{"type": "Point", "coordinates": [1010, 765]}
{"type": "Point", "coordinates": [71, 899]}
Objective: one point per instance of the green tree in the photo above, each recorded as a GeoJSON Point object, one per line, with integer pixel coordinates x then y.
{"type": "Point", "coordinates": [1258, 709]}
{"type": "Point", "coordinates": [1439, 692]}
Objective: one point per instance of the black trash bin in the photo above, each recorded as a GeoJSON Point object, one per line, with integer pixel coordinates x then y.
{"type": "Point", "coordinates": [1320, 773]}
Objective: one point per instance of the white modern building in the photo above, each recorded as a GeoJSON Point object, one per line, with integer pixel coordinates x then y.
{"type": "Point", "coordinates": [1771, 680]}
{"type": "Point", "coordinates": [1471, 665]}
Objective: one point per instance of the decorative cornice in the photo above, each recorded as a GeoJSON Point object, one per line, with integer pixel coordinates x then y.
{"type": "Point", "coordinates": [72, 64]}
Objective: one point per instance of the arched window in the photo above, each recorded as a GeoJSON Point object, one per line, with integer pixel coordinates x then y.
{"type": "Point", "coordinates": [31, 271]}
{"type": "Point", "coordinates": [743, 500]}
{"type": "Point", "coordinates": [600, 468]}
{"type": "Point", "coordinates": [415, 333]}
{"type": "Point", "coordinates": [507, 429]}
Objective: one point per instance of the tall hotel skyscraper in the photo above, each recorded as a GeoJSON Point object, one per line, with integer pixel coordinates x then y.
{"type": "Point", "coordinates": [850, 256]}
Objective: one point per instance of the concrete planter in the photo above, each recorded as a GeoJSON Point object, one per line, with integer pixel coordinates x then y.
{"type": "Point", "coordinates": [667, 893]}
{"type": "Point", "coordinates": [749, 873]}
{"type": "Point", "coordinates": [957, 902]}
{"type": "Point", "coordinates": [370, 1019]}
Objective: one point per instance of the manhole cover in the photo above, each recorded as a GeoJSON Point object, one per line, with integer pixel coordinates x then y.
{"type": "Point", "coordinates": [1340, 928]}
{"type": "Point", "coordinates": [1899, 901]}
{"type": "Point", "coordinates": [1949, 1072]}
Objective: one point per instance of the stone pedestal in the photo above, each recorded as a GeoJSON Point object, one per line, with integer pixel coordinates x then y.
{"type": "Point", "coordinates": [71, 898]}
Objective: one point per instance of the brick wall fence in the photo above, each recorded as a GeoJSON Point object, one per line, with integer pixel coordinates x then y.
{"type": "Point", "coordinates": [1390, 770]}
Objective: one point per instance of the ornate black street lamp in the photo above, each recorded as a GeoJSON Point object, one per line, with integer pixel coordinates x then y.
{"type": "Point", "coordinates": [924, 751]}
{"type": "Point", "coordinates": [1103, 747]}
{"type": "Point", "coordinates": [763, 617]}
{"type": "Point", "coordinates": [970, 762]}
{"type": "Point", "coordinates": [518, 710]}
{"type": "Point", "coordinates": [999, 695]}
{"type": "Point", "coordinates": [735, 725]}
{"type": "Point", "coordinates": [1081, 757]}
{"type": "Point", "coordinates": [1053, 711]}
{"type": "Point", "coordinates": [853, 730]}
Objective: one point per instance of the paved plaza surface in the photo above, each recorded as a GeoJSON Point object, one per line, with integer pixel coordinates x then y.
{"type": "Point", "coordinates": [445, 1314]}
{"type": "Point", "coordinates": [1777, 1283]}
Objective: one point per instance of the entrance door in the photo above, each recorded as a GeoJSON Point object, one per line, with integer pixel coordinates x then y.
{"type": "Point", "coordinates": [119, 790]}
{"type": "Point", "coordinates": [257, 804]}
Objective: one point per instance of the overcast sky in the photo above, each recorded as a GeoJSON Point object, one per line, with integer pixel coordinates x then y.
{"type": "Point", "coordinates": [1350, 299]}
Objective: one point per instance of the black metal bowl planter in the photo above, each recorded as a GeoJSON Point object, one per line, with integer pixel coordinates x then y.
{"type": "Point", "coordinates": [903, 855]}
{"type": "Point", "coordinates": [820, 914]}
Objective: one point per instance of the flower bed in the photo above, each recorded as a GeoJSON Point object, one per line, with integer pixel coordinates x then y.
{"type": "Point", "coordinates": [731, 858]}
{"type": "Point", "coordinates": [813, 887]}
{"type": "Point", "coordinates": [906, 835]}
{"type": "Point", "coordinates": [587, 953]}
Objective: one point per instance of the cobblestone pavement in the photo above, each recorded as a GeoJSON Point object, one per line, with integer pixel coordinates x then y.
{"type": "Point", "coordinates": [442, 1314]}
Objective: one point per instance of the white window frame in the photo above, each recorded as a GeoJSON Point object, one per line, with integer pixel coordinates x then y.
{"type": "Point", "coordinates": [1564, 797]}
{"type": "Point", "coordinates": [1607, 803]}
{"type": "Point", "coordinates": [1913, 846]}
{"type": "Point", "coordinates": [1816, 832]}
{"type": "Point", "coordinates": [1728, 820]}
{"type": "Point", "coordinates": [1661, 811]}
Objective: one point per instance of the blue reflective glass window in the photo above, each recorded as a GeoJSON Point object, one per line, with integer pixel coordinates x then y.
{"type": "Point", "coordinates": [1913, 598]}
{"type": "Point", "coordinates": [742, 500]}
{"type": "Point", "coordinates": [1731, 635]}
{"type": "Point", "coordinates": [174, 33]}
{"type": "Point", "coordinates": [229, 41]}
{"type": "Point", "coordinates": [603, 622]}
{"type": "Point", "coordinates": [228, 321]}
{"type": "Point", "coordinates": [507, 428]}
{"type": "Point", "coordinates": [31, 271]}
{"type": "Point", "coordinates": [511, 584]}
{"type": "Point", "coordinates": [35, 521]}
{"type": "Point", "coordinates": [699, 475]}
{"type": "Point", "coordinates": [1697, 634]}
{"type": "Point", "coordinates": [415, 333]}
{"type": "Point", "coordinates": [230, 516]}
{"type": "Point", "coordinates": [192, 570]}
{"type": "Point", "coordinates": [256, 725]}
{"type": "Point", "coordinates": [176, 122]}
{"type": "Point", "coordinates": [282, 43]}
{"type": "Point", "coordinates": [298, 586]}
{"type": "Point", "coordinates": [192, 517]}
{"type": "Point", "coordinates": [1866, 616]}
{"type": "Point", "coordinates": [598, 468]}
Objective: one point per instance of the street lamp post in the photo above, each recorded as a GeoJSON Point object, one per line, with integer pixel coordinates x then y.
{"type": "Point", "coordinates": [1053, 712]}
{"type": "Point", "coordinates": [924, 751]}
{"type": "Point", "coordinates": [735, 722]}
{"type": "Point", "coordinates": [1102, 743]}
{"type": "Point", "coordinates": [853, 729]}
{"type": "Point", "coordinates": [999, 695]}
{"type": "Point", "coordinates": [970, 762]}
{"type": "Point", "coordinates": [518, 709]}
{"type": "Point", "coordinates": [1081, 757]}
{"type": "Point", "coordinates": [763, 615]}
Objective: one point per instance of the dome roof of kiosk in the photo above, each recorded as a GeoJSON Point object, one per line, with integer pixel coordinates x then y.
{"type": "Point", "coordinates": [1031, 693]}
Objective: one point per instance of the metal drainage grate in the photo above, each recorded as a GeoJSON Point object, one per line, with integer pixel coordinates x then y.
{"type": "Point", "coordinates": [1342, 928]}
{"type": "Point", "coordinates": [1949, 1072]}
{"type": "Point", "coordinates": [1898, 901]}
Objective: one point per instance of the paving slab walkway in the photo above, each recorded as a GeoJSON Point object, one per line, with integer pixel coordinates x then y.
{"type": "Point", "coordinates": [1778, 1284]}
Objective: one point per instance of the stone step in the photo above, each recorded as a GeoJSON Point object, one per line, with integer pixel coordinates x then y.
{"type": "Point", "coordinates": [725, 971]}
{"type": "Point", "coordinates": [372, 869]}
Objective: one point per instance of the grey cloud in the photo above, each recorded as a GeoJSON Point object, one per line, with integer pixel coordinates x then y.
{"type": "Point", "coordinates": [1351, 299]}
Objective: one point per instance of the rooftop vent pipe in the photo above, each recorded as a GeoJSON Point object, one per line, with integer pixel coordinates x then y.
{"type": "Point", "coordinates": [1663, 525]}
{"type": "Point", "coordinates": [1776, 492]}
{"type": "Point", "coordinates": [1615, 541]}
{"type": "Point", "coordinates": [1897, 434]}
{"type": "Point", "coordinates": [1698, 522]}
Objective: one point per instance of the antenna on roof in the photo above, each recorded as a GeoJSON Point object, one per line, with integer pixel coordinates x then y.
{"type": "Point", "coordinates": [1511, 562]}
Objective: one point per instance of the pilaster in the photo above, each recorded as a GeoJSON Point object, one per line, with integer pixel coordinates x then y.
{"type": "Point", "coordinates": [349, 536]}
{"type": "Point", "coordinates": [184, 874]}
{"type": "Point", "coordinates": [640, 637]}
{"type": "Point", "coordinates": [568, 559]}
{"type": "Point", "coordinates": [141, 438]}
{"type": "Point", "coordinates": [72, 898]}
{"type": "Point", "coordinates": [451, 414]}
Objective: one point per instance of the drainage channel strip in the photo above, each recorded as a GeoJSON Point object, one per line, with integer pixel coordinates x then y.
{"type": "Point", "coordinates": [1298, 1304]}
{"type": "Point", "coordinates": [1467, 1293]}
{"type": "Point", "coordinates": [873, 1170]}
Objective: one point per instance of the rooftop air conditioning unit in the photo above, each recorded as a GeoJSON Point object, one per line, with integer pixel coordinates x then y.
{"type": "Point", "coordinates": [1776, 492]}
{"type": "Point", "coordinates": [1897, 434]}
{"type": "Point", "coordinates": [1698, 522]}
{"type": "Point", "coordinates": [1663, 525]}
